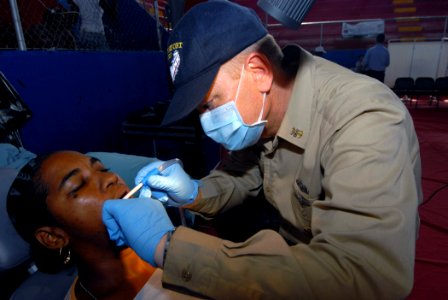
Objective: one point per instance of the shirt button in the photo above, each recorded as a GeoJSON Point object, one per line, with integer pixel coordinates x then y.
{"type": "Point", "coordinates": [186, 275]}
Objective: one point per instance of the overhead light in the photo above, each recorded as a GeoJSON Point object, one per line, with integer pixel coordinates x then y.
{"type": "Point", "coordinates": [288, 12]}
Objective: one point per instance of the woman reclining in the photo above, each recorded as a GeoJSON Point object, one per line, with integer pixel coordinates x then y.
{"type": "Point", "coordinates": [55, 204]}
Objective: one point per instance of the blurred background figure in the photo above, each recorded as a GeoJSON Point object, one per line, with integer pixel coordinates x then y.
{"type": "Point", "coordinates": [377, 59]}
{"type": "Point", "coordinates": [359, 68]}
{"type": "Point", "coordinates": [91, 32]}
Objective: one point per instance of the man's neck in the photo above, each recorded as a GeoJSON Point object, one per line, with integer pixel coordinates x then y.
{"type": "Point", "coordinates": [278, 103]}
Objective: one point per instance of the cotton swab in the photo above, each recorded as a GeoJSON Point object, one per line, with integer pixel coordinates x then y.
{"type": "Point", "coordinates": [133, 191]}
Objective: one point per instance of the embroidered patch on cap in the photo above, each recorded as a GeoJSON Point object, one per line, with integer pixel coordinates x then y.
{"type": "Point", "coordinates": [175, 62]}
{"type": "Point", "coordinates": [174, 58]}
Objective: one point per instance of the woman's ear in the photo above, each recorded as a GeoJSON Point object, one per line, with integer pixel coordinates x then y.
{"type": "Point", "coordinates": [261, 71]}
{"type": "Point", "coordinates": [52, 237]}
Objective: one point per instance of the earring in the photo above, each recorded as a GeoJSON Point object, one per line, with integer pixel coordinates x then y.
{"type": "Point", "coordinates": [66, 258]}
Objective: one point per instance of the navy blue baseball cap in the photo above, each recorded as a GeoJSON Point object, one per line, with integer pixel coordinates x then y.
{"type": "Point", "coordinates": [207, 36]}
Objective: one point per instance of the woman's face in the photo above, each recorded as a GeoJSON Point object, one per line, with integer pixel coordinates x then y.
{"type": "Point", "coordinates": [77, 186]}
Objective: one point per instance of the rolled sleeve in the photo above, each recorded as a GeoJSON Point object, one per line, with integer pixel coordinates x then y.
{"type": "Point", "coordinates": [263, 267]}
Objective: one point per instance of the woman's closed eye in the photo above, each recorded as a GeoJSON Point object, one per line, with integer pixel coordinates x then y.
{"type": "Point", "coordinates": [74, 192]}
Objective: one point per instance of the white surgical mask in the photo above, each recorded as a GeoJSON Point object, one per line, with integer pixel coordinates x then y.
{"type": "Point", "coordinates": [225, 125]}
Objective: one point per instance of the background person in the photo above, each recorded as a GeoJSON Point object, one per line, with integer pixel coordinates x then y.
{"type": "Point", "coordinates": [359, 67]}
{"type": "Point", "coordinates": [333, 151]}
{"type": "Point", "coordinates": [91, 31]}
{"type": "Point", "coordinates": [377, 59]}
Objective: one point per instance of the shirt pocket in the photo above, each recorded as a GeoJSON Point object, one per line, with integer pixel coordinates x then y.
{"type": "Point", "coordinates": [303, 202]}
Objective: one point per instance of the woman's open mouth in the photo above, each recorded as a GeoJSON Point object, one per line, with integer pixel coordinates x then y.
{"type": "Point", "coordinates": [124, 193]}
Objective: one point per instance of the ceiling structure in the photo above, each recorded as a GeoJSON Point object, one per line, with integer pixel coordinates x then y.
{"type": "Point", "coordinates": [322, 26]}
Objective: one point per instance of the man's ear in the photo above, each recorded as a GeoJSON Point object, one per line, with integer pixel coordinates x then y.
{"type": "Point", "coordinates": [261, 71]}
{"type": "Point", "coordinates": [52, 237]}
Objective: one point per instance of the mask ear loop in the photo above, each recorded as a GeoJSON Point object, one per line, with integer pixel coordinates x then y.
{"type": "Point", "coordinates": [262, 108]}
{"type": "Point", "coordinates": [239, 84]}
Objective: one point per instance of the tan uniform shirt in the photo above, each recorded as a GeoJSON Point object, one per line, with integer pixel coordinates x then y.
{"type": "Point", "coordinates": [344, 172]}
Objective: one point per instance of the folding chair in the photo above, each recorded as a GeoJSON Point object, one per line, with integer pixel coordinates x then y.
{"type": "Point", "coordinates": [403, 86]}
{"type": "Point", "coordinates": [424, 87]}
{"type": "Point", "coordinates": [441, 89]}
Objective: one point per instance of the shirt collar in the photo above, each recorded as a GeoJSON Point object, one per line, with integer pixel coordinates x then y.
{"type": "Point", "coordinates": [296, 124]}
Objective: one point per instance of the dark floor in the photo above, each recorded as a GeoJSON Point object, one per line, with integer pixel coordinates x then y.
{"type": "Point", "coordinates": [431, 265]}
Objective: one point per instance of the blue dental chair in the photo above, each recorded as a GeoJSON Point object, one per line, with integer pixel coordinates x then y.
{"type": "Point", "coordinates": [19, 277]}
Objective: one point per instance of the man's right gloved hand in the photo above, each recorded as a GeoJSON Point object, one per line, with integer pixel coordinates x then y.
{"type": "Point", "coordinates": [139, 223]}
{"type": "Point", "coordinates": [173, 181]}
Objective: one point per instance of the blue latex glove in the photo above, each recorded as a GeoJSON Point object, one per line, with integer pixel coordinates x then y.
{"type": "Point", "coordinates": [138, 223]}
{"type": "Point", "coordinates": [173, 182]}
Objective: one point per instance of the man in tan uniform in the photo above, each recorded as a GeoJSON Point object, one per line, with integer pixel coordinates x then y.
{"type": "Point", "coordinates": [333, 151]}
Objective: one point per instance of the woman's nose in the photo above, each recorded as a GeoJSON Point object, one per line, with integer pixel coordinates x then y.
{"type": "Point", "coordinates": [108, 179]}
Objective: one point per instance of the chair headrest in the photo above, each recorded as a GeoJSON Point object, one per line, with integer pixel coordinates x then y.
{"type": "Point", "coordinates": [13, 249]}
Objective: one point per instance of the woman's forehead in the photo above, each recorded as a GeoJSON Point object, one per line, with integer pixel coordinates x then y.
{"type": "Point", "coordinates": [64, 159]}
{"type": "Point", "coordinates": [59, 163]}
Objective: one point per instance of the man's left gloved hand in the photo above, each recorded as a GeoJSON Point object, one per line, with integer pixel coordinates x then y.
{"type": "Point", "coordinates": [139, 223]}
{"type": "Point", "coordinates": [173, 181]}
